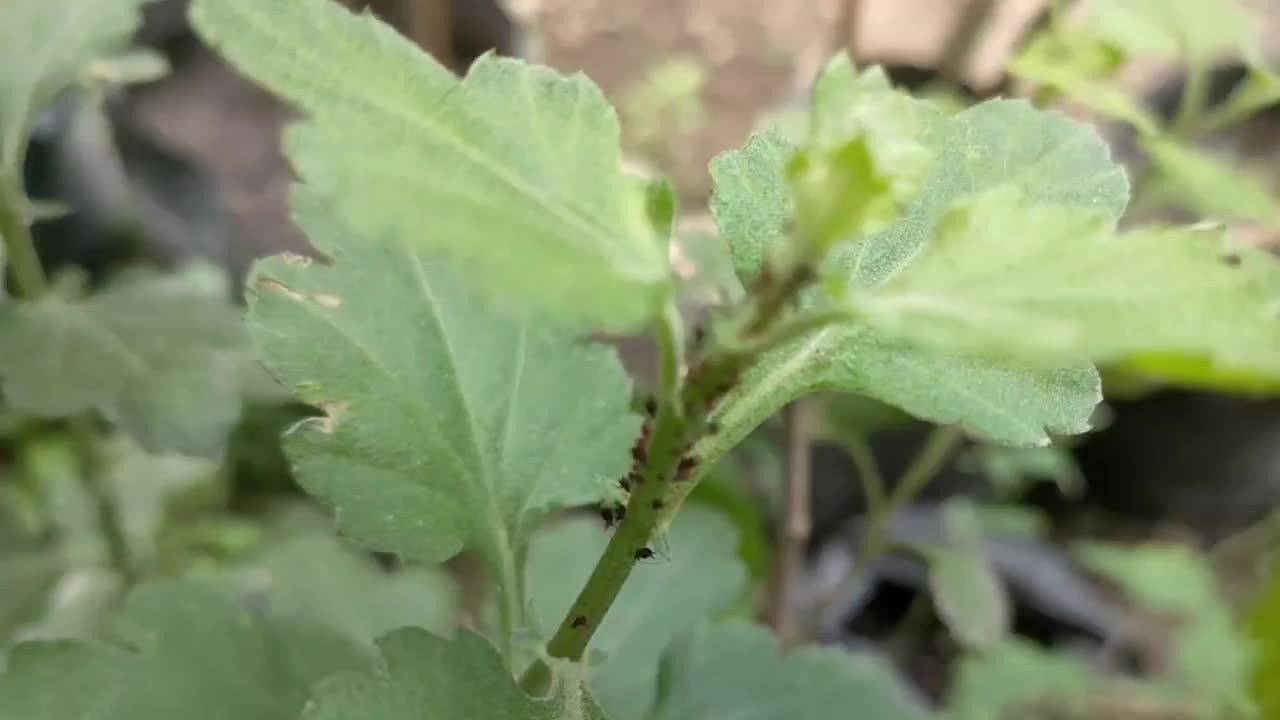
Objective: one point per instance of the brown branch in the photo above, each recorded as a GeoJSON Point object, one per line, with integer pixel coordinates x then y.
{"type": "Point", "coordinates": [796, 520]}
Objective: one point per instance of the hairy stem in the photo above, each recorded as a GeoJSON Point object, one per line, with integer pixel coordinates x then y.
{"type": "Point", "coordinates": [30, 283]}
{"type": "Point", "coordinates": [796, 522]}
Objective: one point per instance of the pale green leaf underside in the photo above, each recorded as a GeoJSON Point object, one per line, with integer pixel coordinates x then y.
{"type": "Point", "coordinates": [187, 652]}
{"type": "Point", "coordinates": [1053, 160]}
{"type": "Point", "coordinates": [446, 423]}
{"type": "Point", "coordinates": [423, 676]}
{"type": "Point", "coordinates": [157, 354]}
{"type": "Point", "coordinates": [1054, 282]}
{"type": "Point", "coordinates": [515, 170]}
{"type": "Point", "coordinates": [701, 576]}
{"type": "Point", "coordinates": [44, 44]}
{"type": "Point", "coordinates": [734, 669]}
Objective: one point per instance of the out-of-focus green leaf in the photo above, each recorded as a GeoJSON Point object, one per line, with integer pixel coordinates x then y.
{"type": "Point", "coordinates": [44, 44]}
{"type": "Point", "coordinates": [1055, 282]}
{"type": "Point", "coordinates": [1259, 90]}
{"type": "Point", "coordinates": [1212, 662]}
{"type": "Point", "coordinates": [967, 592]}
{"type": "Point", "coordinates": [993, 685]}
{"type": "Point", "coordinates": [1077, 66]}
{"type": "Point", "coordinates": [422, 675]}
{"type": "Point", "coordinates": [312, 577]}
{"type": "Point", "coordinates": [446, 424]}
{"type": "Point", "coordinates": [699, 578]}
{"type": "Point", "coordinates": [1211, 186]}
{"type": "Point", "coordinates": [185, 651]}
{"type": "Point", "coordinates": [734, 670]}
{"type": "Point", "coordinates": [1198, 29]}
{"type": "Point", "coordinates": [515, 170]}
{"type": "Point", "coordinates": [154, 353]}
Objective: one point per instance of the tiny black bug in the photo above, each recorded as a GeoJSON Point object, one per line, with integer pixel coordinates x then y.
{"type": "Point", "coordinates": [651, 407]}
{"type": "Point", "coordinates": [579, 622]}
{"type": "Point", "coordinates": [607, 515]}
{"type": "Point", "coordinates": [644, 553]}
{"type": "Point", "coordinates": [658, 504]}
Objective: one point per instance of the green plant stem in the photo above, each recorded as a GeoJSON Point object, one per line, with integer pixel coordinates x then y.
{"type": "Point", "coordinates": [31, 283]}
{"type": "Point", "coordinates": [942, 441]}
{"type": "Point", "coordinates": [1191, 105]}
{"type": "Point", "coordinates": [869, 476]}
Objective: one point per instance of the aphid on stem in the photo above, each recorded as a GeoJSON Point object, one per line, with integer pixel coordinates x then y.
{"type": "Point", "coordinates": [579, 622]}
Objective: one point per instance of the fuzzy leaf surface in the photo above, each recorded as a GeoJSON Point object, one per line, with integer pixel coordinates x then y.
{"type": "Point", "coordinates": [663, 598]}
{"type": "Point", "coordinates": [515, 169]}
{"type": "Point", "coordinates": [157, 354]}
{"type": "Point", "coordinates": [734, 669]}
{"type": "Point", "coordinates": [1053, 160]}
{"type": "Point", "coordinates": [422, 675]}
{"type": "Point", "coordinates": [1053, 282]}
{"type": "Point", "coordinates": [447, 424]}
{"type": "Point", "coordinates": [187, 651]}
{"type": "Point", "coordinates": [44, 45]}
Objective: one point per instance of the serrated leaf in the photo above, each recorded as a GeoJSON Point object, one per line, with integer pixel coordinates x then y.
{"type": "Point", "coordinates": [147, 351]}
{"type": "Point", "coordinates": [422, 675]}
{"type": "Point", "coordinates": [1017, 675]}
{"type": "Point", "coordinates": [701, 576]}
{"type": "Point", "coordinates": [751, 203]}
{"type": "Point", "coordinates": [1055, 282]}
{"type": "Point", "coordinates": [311, 577]}
{"type": "Point", "coordinates": [43, 46]}
{"type": "Point", "coordinates": [1055, 161]}
{"type": "Point", "coordinates": [1210, 186]}
{"type": "Point", "coordinates": [515, 170]}
{"type": "Point", "coordinates": [447, 424]}
{"type": "Point", "coordinates": [1050, 158]}
{"type": "Point", "coordinates": [967, 592]}
{"type": "Point", "coordinates": [186, 651]}
{"type": "Point", "coordinates": [734, 669]}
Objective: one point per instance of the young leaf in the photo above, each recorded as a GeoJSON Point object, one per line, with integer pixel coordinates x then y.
{"type": "Point", "coordinates": [1210, 186]}
{"type": "Point", "coordinates": [1054, 160]}
{"type": "Point", "coordinates": [702, 577]}
{"type": "Point", "coordinates": [967, 592]}
{"type": "Point", "coordinates": [44, 44]}
{"type": "Point", "coordinates": [515, 169]}
{"type": "Point", "coordinates": [445, 424]}
{"type": "Point", "coordinates": [1055, 282]}
{"type": "Point", "coordinates": [734, 669]}
{"type": "Point", "coordinates": [152, 352]}
{"type": "Point", "coordinates": [422, 675]}
{"type": "Point", "coordinates": [186, 651]}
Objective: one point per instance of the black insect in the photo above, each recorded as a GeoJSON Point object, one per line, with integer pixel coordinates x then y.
{"type": "Point", "coordinates": [644, 553]}
{"type": "Point", "coordinates": [651, 407]}
{"type": "Point", "coordinates": [686, 466]}
{"type": "Point", "coordinates": [579, 622]}
{"type": "Point", "coordinates": [713, 427]}
{"type": "Point", "coordinates": [1231, 259]}
{"type": "Point", "coordinates": [608, 516]}
{"type": "Point", "coordinates": [658, 504]}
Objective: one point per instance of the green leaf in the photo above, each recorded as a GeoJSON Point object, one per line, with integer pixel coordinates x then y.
{"type": "Point", "coordinates": [751, 203]}
{"type": "Point", "coordinates": [154, 353]}
{"type": "Point", "coordinates": [1259, 90]}
{"type": "Point", "coordinates": [700, 578]}
{"type": "Point", "coordinates": [143, 487]}
{"type": "Point", "coordinates": [185, 651]}
{"type": "Point", "coordinates": [1212, 662]}
{"type": "Point", "coordinates": [863, 159]}
{"type": "Point", "coordinates": [1262, 622]}
{"type": "Point", "coordinates": [44, 44]}
{"type": "Point", "coordinates": [446, 424]}
{"type": "Point", "coordinates": [422, 675]}
{"type": "Point", "coordinates": [515, 169]}
{"type": "Point", "coordinates": [1211, 186]}
{"type": "Point", "coordinates": [967, 592]}
{"type": "Point", "coordinates": [1050, 158]}
{"type": "Point", "coordinates": [734, 669]}
{"type": "Point", "coordinates": [1016, 675]}
{"type": "Point", "coordinates": [313, 578]}
{"type": "Point", "coordinates": [1195, 28]}
{"type": "Point", "coordinates": [1004, 276]}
